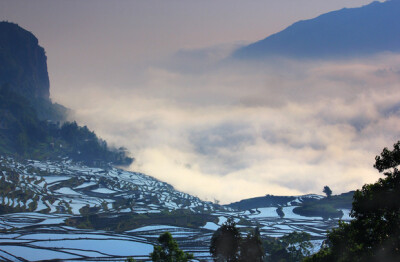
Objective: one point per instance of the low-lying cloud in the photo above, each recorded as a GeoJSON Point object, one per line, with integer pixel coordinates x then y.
{"type": "Point", "coordinates": [230, 131]}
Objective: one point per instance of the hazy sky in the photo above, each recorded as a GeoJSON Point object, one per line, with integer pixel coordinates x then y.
{"type": "Point", "coordinates": [145, 74]}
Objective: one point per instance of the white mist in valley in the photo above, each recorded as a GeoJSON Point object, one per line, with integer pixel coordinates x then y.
{"type": "Point", "coordinates": [209, 126]}
{"type": "Point", "coordinates": [233, 130]}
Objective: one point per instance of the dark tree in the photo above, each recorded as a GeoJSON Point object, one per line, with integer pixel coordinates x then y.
{"type": "Point", "coordinates": [225, 242]}
{"type": "Point", "coordinates": [251, 248]}
{"type": "Point", "coordinates": [276, 250]}
{"type": "Point", "coordinates": [292, 247]}
{"type": "Point", "coordinates": [327, 191]}
{"type": "Point", "coordinates": [374, 233]}
{"type": "Point", "coordinates": [168, 250]}
{"type": "Point", "coordinates": [297, 244]}
{"type": "Point", "coordinates": [280, 212]}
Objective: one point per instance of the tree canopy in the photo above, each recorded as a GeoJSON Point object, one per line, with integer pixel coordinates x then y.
{"type": "Point", "coordinates": [291, 247]}
{"type": "Point", "coordinates": [22, 133]}
{"type": "Point", "coordinates": [374, 233]}
{"type": "Point", "coordinates": [225, 242]}
{"type": "Point", "coordinates": [327, 191]}
{"type": "Point", "coordinates": [168, 250]}
{"type": "Point", "coordinates": [251, 248]}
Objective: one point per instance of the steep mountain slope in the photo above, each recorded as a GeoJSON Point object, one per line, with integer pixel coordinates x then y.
{"type": "Point", "coordinates": [29, 121]}
{"type": "Point", "coordinates": [23, 62]}
{"type": "Point", "coordinates": [23, 134]}
{"type": "Point", "coordinates": [347, 32]}
{"type": "Point", "coordinates": [23, 68]}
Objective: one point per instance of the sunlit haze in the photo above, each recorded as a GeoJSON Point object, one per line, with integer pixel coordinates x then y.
{"type": "Point", "coordinates": [152, 76]}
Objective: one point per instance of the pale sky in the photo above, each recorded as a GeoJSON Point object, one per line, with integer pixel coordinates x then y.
{"type": "Point", "coordinates": [143, 74]}
{"type": "Point", "coordinates": [95, 35]}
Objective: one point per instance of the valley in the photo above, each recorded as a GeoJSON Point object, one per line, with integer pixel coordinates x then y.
{"type": "Point", "coordinates": [78, 212]}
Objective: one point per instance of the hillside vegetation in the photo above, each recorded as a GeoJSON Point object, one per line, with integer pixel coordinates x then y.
{"type": "Point", "coordinates": [30, 123]}
{"type": "Point", "coordinates": [23, 134]}
{"type": "Point", "coordinates": [373, 233]}
{"type": "Point", "coordinates": [264, 201]}
{"type": "Point", "coordinates": [326, 207]}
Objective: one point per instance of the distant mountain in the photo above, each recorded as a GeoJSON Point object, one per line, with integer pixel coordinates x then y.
{"type": "Point", "coordinates": [347, 32]}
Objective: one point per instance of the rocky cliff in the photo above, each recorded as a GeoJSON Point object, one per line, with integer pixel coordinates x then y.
{"type": "Point", "coordinates": [23, 62]}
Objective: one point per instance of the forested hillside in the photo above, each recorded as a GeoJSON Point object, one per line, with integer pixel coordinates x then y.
{"type": "Point", "coordinates": [23, 134]}
{"type": "Point", "coordinates": [31, 126]}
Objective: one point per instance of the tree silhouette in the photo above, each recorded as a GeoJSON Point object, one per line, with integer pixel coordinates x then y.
{"type": "Point", "coordinates": [373, 234]}
{"type": "Point", "coordinates": [297, 244]}
{"type": "Point", "coordinates": [327, 191]}
{"type": "Point", "coordinates": [251, 248]}
{"type": "Point", "coordinates": [168, 250]}
{"type": "Point", "coordinates": [225, 242]}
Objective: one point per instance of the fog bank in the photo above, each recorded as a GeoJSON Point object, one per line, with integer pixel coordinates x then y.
{"type": "Point", "coordinates": [239, 130]}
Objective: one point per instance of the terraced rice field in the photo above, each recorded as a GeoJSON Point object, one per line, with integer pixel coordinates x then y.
{"type": "Point", "coordinates": [49, 194]}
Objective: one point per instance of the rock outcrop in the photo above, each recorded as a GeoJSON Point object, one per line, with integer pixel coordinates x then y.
{"type": "Point", "coordinates": [23, 63]}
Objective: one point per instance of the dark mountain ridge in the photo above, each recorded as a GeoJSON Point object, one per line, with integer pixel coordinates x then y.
{"type": "Point", "coordinates": [349, 32]}
{"type": "Point", "coordinates": [31, 126]}
{"type": "Point", "coordinates": [23, 69]}
{"type": "Point", "coordinates": [23, 62]}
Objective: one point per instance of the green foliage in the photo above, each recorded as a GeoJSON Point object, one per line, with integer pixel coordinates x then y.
{"type": "Point", "coordinates": [28, 126]}
{"type": "Point", "coordinates": [388, 159]}
{"type": "Point", "coordinates": [259, 202]}
{"type": "Point", "coordinates": [168, 250]}
{"type": "Point", "coordinates": [374, 234]}
{"type": "Point", "coordinates": [276, 250]}
{"type": "Point", "coordinates": [292, 247]}
{"type": "Point", "coordinates": [315, 209]}
{"type": "Point", "coordinates": [228, 245]}
{"type": "Point", "coordinates": [225, 242]}
{"type": "Point", "coordinates": [124, 222]}
{"type": "Point", "coordinates": [23, 134]}
{"type": "Point", "coordinates": [297, 244]}
{"type": "Point", "coordinates": [10, 188]}
{"type": "Point", "coordinates": [251, 248]}
{"type": "Point", "coordinates": [46, 110]}
{"type": "Point", "coordinates": [327, 191]}
{"type": "Point", "coordinates": [326, 207]}
{"type": "Point", "coordinates": [20, 128]}
{"type": "Point", "coordinates": [280, 212]}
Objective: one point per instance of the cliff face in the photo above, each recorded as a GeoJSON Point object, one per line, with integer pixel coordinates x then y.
{"type": "Point", "coordinates": [23, 62]}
